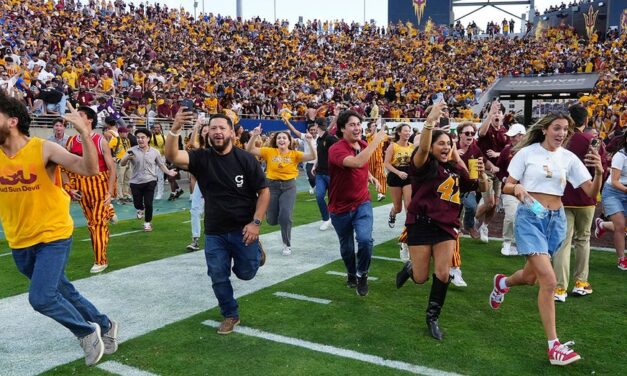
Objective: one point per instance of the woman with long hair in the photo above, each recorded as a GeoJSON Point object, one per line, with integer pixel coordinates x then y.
{"type": "Point", "coordinates": [614, 200]}
{"type": "Point", "coordinates": [199, 139]}
{"type": "Point", "coordinates": [281, 171]}
{"type": "Point", "coordinates": [397, 162]}
{"type": "Point", "coordinates": [433, 213]}
{"type": "Point", "coordinates": [375, 164]}
{"type": "Point", "coordinates": [538, 173]}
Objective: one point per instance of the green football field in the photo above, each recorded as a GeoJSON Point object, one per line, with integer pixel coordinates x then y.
{"type": "Point", "coordinates": [334, 332]}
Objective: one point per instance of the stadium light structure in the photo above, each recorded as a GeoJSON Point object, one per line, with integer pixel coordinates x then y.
{"type": "Point", "coordinates": [497, 4]}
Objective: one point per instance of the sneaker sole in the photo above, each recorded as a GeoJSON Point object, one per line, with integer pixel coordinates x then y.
{"type": "Point", "coordinates": [556, 362]}
{"type": "Point", "coordinates": [580, 293]}
{"type": "Point", "coordinates": [101, 347]}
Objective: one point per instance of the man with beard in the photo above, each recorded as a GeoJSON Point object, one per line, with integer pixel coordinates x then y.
{"type": "Point", "coordinates": [236, 199]}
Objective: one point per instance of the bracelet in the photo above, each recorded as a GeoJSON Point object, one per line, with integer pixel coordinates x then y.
{"type": "Point", "coordinates": [174, 134]}
{"type": "Point", "coordinates": [428, 126]}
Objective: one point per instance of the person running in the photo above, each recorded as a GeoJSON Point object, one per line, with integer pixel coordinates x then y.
{"type": "Point", "coordinates": [236, 200]}
{"type": "Point", "coordinates": [281, 170]}
{"type": "Point", "coordinates": [433, 214]}
{"type": "Point", "coordinates": [198, 140]}
{"type": "Point", "coordinates": [537, 177]}
{"type": "Point", "coordinates": [146, 162]}
{"type": "Point", "coordinates": [312, 129]}
{"type": "Point", "coordinates": [375, 164]}
{"type": "Point", "coordinates": [35, 214]}
{"type": "Point", "coordinates": [614, 199]}
{"type": "Point", "coordinates": [94, 192]}
{"type": "Point", "coordinates": [349, 198]}
{"type": "Point", "coordinates": [397, 162]}
{"type": "Point", "coordinates": [321, 170]}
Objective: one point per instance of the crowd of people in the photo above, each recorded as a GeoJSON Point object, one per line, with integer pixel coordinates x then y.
{"type": "Point", "coordinates": [144, 62]}
{"type": "Point", "coordinates": [131, 65]}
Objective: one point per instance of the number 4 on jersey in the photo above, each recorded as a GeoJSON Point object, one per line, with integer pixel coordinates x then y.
{"type": "Point", "coordinates": [449, 190]}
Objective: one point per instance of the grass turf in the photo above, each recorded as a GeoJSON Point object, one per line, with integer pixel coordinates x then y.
{"type": "Point", "coordinates": [169, 238]}
{"type": "Point", "coordinates": [390, 323]}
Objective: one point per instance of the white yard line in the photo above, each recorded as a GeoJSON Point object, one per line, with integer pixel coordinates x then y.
{"type": "Point", "coordinates": [387, 258]}
{"type": "Point", "coordinates": [169, 290]}
{"type": "Point", "coordinates": [115, 235]}
{"type": "Point", "coordinates": [336, 351]}
{"type": "Point", "coordinates": [301, 297]}
{"type": "Point", "coordinates": [122, 369]}
{"type": "Point", "coordinates": [6, 254]}
{"type": "Point", "coordinates": [188, 221]}
{"type": "Point", "coordinates": [343, 274]}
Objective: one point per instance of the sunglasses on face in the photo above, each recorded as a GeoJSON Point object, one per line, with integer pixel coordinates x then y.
{"type": "Point", "coordinates": [469, 133]}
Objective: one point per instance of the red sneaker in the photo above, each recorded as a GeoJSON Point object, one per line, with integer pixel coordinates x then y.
{"type": "Point", "coordinates": [561, 355]}
{"type": "Point", "coordinates": [622, 263]}
{"type": "Point", "coordinates": [498, 295]}
{"type": "Point", "coordinates": [598, 228]}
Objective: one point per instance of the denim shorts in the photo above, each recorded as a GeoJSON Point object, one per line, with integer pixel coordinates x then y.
{"type": "Point", "coordinates": [539, 235]}
{"type": "Point", "coordinates": [613, 200]}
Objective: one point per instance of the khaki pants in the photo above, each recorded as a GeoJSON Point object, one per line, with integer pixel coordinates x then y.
{"type": "Point", "coordinates": [578, 232]}
{"type": "Point", "coordinates": [123, 174]}
{"type": "Point", "coordinates": [510, 204]}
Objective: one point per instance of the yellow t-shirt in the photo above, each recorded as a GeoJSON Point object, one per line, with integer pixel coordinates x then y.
{"type": "Point", "coordinates": [281, 167]}
{"type": "Point", "coordinates": [33, 208]}
{"type": "Point", "coordinates": [401, 155]}
{"type": "Point", "coordinates": [157, 141]}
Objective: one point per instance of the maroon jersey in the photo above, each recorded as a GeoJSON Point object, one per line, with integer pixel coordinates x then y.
{"type": "Point", "coordinates": [473, 152]}
{"type": "Point", "coordinates": [579, 144]}
{"type": "Point", "coordinates": [503, 162]}
{"type": "Point", "coordinates": [349, 186]}
{"type": "Point", "coordinates": [495, 140]}
{"type": "Point", "coordinates": [440, 197]}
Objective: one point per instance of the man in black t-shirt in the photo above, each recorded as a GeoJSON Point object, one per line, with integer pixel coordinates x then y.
{"type": "Point", "coordinates": [321, 170]}
{"type": "Point", "coordinates": [236, 199]}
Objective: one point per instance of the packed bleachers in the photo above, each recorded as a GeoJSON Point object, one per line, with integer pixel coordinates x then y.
{"type": "Point", "coordinates": [148, 59]}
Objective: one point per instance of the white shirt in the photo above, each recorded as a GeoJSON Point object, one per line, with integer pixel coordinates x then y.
{"type": "Point", "coordinates": [306, 147]}
{"type": "Point", "coordinates": [543, 171]}
{"type": "Point", "coordinates": [619, 162]}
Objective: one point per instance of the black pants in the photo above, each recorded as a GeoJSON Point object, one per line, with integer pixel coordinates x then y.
{"type": "Point", "coordinates": [311, 177]}
{"type": "Point", "coordinates": [143, 194]}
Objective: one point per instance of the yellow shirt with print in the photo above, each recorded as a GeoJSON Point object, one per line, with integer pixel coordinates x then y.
{"type": "Point", "coordinates": [281, 166]}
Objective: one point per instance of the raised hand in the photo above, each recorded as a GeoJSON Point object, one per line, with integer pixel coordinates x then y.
{"type": "Point", "coordinates": [182, 116]}
{"type": "Point", "coordinates": [82, 125]}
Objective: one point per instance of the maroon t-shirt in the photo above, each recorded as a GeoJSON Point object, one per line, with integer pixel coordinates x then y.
{"type": "Point", "coordinates": [495, 140]}
{"type": "Point", "coordinates": [473, 152]}
{"type": "Point", "coordinates": [439, 198]}
{"type": "Point", "coordinates": [503, 162]}
{"type": "Point", "coordinates": [349, 186]}
{"type": "Point", "coordinates": [579, 144]}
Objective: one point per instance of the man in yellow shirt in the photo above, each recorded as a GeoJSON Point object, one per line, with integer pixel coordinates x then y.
{"type": "Point", "coordinates": [34, 211]}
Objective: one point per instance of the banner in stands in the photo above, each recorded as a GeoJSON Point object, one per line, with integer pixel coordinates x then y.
{"type": "Point", "coordinates": [268, 126]}
{"type": "Point", "coordinates": [618, 15]}
{"type": "Point", "coordinates": [418, 12]}
{"type": "Point", "coordinates": [549, 84]}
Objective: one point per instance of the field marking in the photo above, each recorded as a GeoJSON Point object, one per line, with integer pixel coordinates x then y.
{"type": "Point", "coordinates": [387, 258]}
{"type": "Point", "coordinates": [114, 235]}
{"type": "Point", "coordinates": [190, 221]}
{"type": "Point", "coordinates": [336, 351]}
{"type": "Point", "coordinates": [310, 199]}
{"type": "Point", "coordinates": [123, 369]}
{"type": "Point", "coordinates": [301, 297]}
{"type": "Point", "coordinates": [6, 254]}
{"type": "Point", "coordinates": [331, 272]}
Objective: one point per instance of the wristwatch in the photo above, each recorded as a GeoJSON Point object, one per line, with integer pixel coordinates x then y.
{"type": "Point", "coordinates": [256, 222]}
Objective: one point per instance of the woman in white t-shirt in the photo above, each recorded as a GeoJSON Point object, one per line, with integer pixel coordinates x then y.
{"type": "Point", "coordinates": [537, 177]}
{"type": "Point", "coordinates": [614, 200]}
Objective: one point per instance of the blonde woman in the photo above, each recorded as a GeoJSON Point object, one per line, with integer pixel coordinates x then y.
{"type": "Point", "coordinates": [281, 171]}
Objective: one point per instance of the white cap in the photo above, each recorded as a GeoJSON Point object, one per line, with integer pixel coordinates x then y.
{"type": "Point", "coordinates": [516, 129]}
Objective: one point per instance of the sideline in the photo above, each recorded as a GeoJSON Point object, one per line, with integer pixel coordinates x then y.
{"type": "Point", "coordinates": [171, 289]}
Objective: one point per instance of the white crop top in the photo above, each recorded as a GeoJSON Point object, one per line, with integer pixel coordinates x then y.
{"type": "Point", "coordinates": [543, 171]}
{"type": "Point", "coordinates": [619, 162]}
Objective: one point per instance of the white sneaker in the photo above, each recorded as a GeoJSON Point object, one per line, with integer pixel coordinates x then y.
{"type": "Point", "coordinates": [114, 220]}
{"type": "Point", "coordinates": [380, 197]}
{"type": "Point", "coordinates": [147, 227]}
{"type": "Point", "coordinates": [311, 191]}
{"type": "Point", "coordinates": [325, 225]}
{"type": "Point", "coordinates": [457, 280]}
{"type": "Point", "coordinates": [483, 233]}
{"type": "Point", "coordinates": [98, 268]}
{"type": "Point", "coordinates": [140, 214]}
{"type": "Point", "coordinates": [513, 251]}
{"type": "Point", "coordinates": [506, 249]}
{"type": "Point", "coordinates": [286, 250]}
{"type": "Point", "coordinates": [404, 252]}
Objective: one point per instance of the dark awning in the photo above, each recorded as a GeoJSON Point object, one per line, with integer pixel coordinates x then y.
{"type": "Point", "coordinates": [555, 84]}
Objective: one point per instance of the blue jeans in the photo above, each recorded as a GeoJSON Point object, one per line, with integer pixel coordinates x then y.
{"type": "Point", "coordinates": [219, 251]}
{"type": "Point", "coordinates": [51, 293]}
{"type": "Point", "coordinates": [322, 186]}
{"type": "Point", "coordinates": [357, 223]}
{"type": "Point", "coordinates": [469, 200]}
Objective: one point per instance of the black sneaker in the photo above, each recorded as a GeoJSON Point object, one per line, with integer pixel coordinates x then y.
{"type": "Point", "coordinates": [362, 285]}
{"type": "Point", "coordinates": [392, 220]}
{"type": "Point", "coordinates": [193, 246]}
{"type": "Point", "coordinates": [351, 281]}
{"type": "Point", "coordinates": [179, 192]}
{"type": "Point", "coordinates": [172, 197]}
